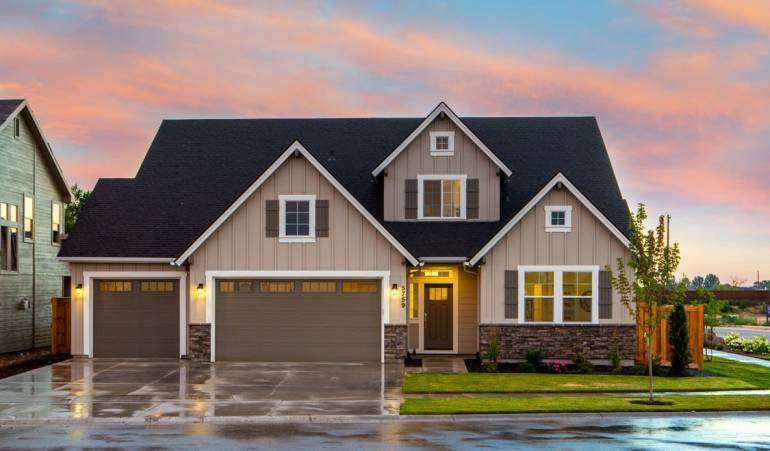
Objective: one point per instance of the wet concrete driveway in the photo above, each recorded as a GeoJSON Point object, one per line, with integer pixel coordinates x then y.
{"type": "Point", "coordinates": [151, 389]}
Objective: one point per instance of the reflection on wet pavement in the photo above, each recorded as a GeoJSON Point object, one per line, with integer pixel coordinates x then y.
{"type": "Point", "coordinates": [83, 388]}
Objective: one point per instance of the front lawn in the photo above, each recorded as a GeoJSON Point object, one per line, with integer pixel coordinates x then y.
{"type": "Point", "coordinates": [550, 383]}
{"type": "Point", "coordinates": [759, 376]}
{"type": "Point", "coordinates": [565, 404]}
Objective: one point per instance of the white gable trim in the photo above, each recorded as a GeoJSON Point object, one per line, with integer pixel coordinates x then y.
{"type": "Point", "coordinates": [441, 108]}
{"type": "Point", "coordinates": [559, 178]}
{"type": "Point", "coordinates": [296, 146]}
{"type": "Point", "coordinates": [39, 131]}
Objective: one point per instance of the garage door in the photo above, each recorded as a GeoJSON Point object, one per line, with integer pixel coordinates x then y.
{"type": "Point", "coordinates": [136, 318]}
{"type": "Point", "coordinates": [298, 320]}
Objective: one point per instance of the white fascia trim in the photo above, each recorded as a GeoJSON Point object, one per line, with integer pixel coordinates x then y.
{"type": "Point", "coordinates": [296, 146]}
{"type": "Point", "coordinates": [443, 259]}
{"type": "Point", "coordinates": [537, 198]}
{"type": "Point", "coordinates": [558, 295]}
{"type": "Point", "coordinates": [212, 276]}
{"type": "Point", "coordinates": [116, 259]}
{"type": "Point", "coordinates": [441, 108]}
{"type": "Point", "coordinates": [282, 237]}
{"type": "Point", "coordinates": [421, 194]}
{"type": "Point", "coordinates": [88, 305]}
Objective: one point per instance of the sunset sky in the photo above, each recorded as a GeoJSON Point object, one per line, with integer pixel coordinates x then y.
{"type": "Point", "coordinates": [681, 89]}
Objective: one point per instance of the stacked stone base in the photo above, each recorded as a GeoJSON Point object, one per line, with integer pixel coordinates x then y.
{"type": "Point", "coordinates": [560, 341]}
{"type": "Point", "coordinates": [199, 342]}
{"type": "Point", "coordinates": [395, 341]}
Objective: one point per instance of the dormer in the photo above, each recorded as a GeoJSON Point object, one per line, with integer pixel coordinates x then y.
{"type": "Point", "coordinates": [442, 172]}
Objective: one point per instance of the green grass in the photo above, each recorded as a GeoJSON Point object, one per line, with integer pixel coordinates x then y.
{"type": "Point", "coordinates": [756, 375]}
{"type": "Point", "coordinates": [553, 383]}
{"type": "Point", "coordinates": [565, 404]}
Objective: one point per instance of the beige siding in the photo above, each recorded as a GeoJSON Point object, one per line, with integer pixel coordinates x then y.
{"type": "Point", "coordinates": [467, 312]}
{"type": "Point", "coordinates": [467, 159]}
{"type": "Point", "coordinates": [353, 243]}
{"type": "Point", "coordinates": [589, 243]}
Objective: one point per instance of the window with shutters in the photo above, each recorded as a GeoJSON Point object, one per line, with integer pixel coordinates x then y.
{"type": "Point", "coordinates": [296, 218]}
{"type": "Point", "coordinates": [558, 294]}
{"type": "Point", "coordinates": [441, 197]}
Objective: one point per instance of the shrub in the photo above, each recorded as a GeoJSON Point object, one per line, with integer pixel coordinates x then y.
{"type": "Point", "coordinates": [493, 353]}
{"type": "Point", "coordinates": [757, 345]}
{"type": "Point", "coordinates": [616, 360]}
{"type": "Point", "coordinates": [555, 366]}
{"type": "Point", "coordinates": [679, 341]}
{"type": "Point", "coordinates": [733, 340]}
{"type": "Point", "coordinates": [525, 367]}
{"type": "Point", "coordinates": [534, 357]}
{"type": "Point", "coordinates": [582, 364]}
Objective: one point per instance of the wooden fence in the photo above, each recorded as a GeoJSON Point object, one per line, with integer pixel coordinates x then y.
{"type": "Point", "coordinates": [660, 345]}
{"type": "Point", "coordinates": [60, 325]}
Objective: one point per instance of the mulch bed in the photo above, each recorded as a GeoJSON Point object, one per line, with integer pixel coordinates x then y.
{"type": "Point", "coordinates": [476, 366]}
{"type": "Point", "coordinates": [18, 362]}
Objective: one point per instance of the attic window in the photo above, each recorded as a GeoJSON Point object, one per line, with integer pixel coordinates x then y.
{"type": "Point", "coordinates": [442, 143]}
{"type": "Point", "coordinates": [16, 127]}
{"type": "Point", "coordinates": [558, 218]}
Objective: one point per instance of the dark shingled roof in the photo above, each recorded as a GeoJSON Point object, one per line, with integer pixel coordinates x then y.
{"type": "Point", "coordinates": [195, 169]}
{"type": "Point", "coordinates": [8, 106]}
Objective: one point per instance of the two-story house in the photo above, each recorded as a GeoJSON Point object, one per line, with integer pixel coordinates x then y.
{"type": "Point", "coordinates": [355, 240]}
{"type": "Point", "coordinates": [33, 194]}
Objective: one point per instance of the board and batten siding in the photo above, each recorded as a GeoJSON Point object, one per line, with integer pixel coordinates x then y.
{"type": "Point", "coordinates": [467, 159]}
{"type": "Point", "coordinates": [24, 171]}
{"type": "Point", "coordinates": [353, 243]}
{"type": "Point", "coordinates": [527, 243]}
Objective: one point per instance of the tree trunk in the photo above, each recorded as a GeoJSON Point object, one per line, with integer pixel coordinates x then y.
{"type": "Point", "coordinates": [649, 362]}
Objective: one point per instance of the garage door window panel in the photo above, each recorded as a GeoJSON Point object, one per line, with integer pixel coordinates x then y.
{"type": "Point", "coordinates": [359, 287]}
{"type": "Point", "coordinates": [156, 286]}
{"type": "Point", "coordinates": [315, 286]}
{"type": "Point", "coordinates": [276, 286]}
{"type": "Point", "coordinates": [116, 286]}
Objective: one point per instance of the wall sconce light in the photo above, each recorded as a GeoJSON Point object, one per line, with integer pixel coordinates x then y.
{"type": "Point", "coordinates": [201, 290]}
{"type": "Point", "coordinates": [79, 289]}
{"type": "Point", "coordinates": [394, 290]}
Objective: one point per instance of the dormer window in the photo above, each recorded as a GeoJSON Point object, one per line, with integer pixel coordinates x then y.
{"type": "Point", "coordinates": [558, 218]}
{"type": "Point", "coordinates": [441, 196]}
{"type": "Point", "coordinates": [442, 143]}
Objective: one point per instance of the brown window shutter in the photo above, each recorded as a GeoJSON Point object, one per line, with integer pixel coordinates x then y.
{"type": "Point", "coordinates": [472, 198]}
{"type": "Point", "coordinates": [410, 199]}
{"type": "Point", "coordinates": [605, 295]}
{"type": "Point", "coordinates": [511, 294]}
{"type": "Point", "coordinates": [322, 218]}
{"type": "Point", "coordinates": [271, 218]}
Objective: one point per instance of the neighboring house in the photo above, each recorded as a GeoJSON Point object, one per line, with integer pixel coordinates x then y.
{"type": "Point", "coordinates": [33, 194]}
{"type": "Point", "coordinates": [355, 240]}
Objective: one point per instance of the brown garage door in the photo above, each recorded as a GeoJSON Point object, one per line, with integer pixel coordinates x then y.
{"type": "Point", "coordinates": [298, 320]}
{"type": "Point", "coordinates": [136, 318]}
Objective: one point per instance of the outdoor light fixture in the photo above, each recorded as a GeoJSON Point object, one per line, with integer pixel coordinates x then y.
{"type": "Point", "coordinates": [79, 289]}
{"type": "Point", "coordinates": [394, 290]}
{"type": "Point", "coordinates": [201, 290]}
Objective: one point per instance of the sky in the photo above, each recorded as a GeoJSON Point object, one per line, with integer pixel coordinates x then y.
{"type": "Point", "coordinates": [681, 89]}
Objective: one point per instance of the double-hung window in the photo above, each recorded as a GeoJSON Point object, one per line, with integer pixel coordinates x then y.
{"type": "Point", "coordinates": [559, 294]}
{"type": "Point", "coordinates": [9, 237]}
{"type": "Point", "coordinates": [29, 218]}
{"type": "Point", "coordinates": [296, 218]}
{"type": "Point", "coordinates": [56, 221]}
{"type": "Point", "coordinates": [441, 196]}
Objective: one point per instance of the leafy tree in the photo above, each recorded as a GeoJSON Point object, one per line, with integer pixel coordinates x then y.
{"type": "Point", "coordinates": [653, 264]}
{"type": "Point", "coordinates": [763, 285]}
{"type": "Point", "coordinates": [679, 340]}
{"type": "Point", "coordinates": [697, 282]}
{"type": "Point", "coordinates": [712, 312]}
{"type": "Point", "coordinates": [685, 281]}
{"type": "Point", "coordinates": [711, 281]}
{"type": "Point", "coordinates": [72, 211]}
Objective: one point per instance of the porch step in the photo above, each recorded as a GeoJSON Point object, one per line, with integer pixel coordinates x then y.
{"type": "Point", "coordinates": [443, 365]}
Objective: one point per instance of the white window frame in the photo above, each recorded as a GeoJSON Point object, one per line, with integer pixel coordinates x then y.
{"type": "Point", "coordinates": [420, 196]}
{"type": "Point", "coordinates": [282, 237]}
{"type": "Point", "coordinates": [567, 227]}
{"type": "Point", "coordinates": [558, 292]}
{"type": "Point", "coordinates": [24, 219]}
{"type": "Point", "coordinates": [442, 152]}
{"type": "Point", "coordinates": [61, 222]}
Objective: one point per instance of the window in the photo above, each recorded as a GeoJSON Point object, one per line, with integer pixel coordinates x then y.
{"type": "Point", "coordinates": [8, 212]}
{"type": "Point", "coordinates": [558, 218]}
{"type": "Point", "coordinates": [558, 294]}
{"type": "Point", "coordinates": [9, 258]}
{"type": "Point", "coordinates": [276, 286]}
{"type": "Point", "coordinates": [226, 286]}
{"type": "Point", "coordinates": [350, 286]}
{"type": "Point", "coordinates": [442, 143]}
{"type": "Point", "coordinates": [156, 286]}
{"type": "Point", "coordinates": [29, 218]}
{"type": "Point", "coordinates": [296, 218]}
{"type": "Point", "coordinates": [414, 302]}
{"type": "Point", "coordinates": [441, 196]}
{"type": "Point", "coordinates": [116, 286]}
{"type": "Point", "coordinates": [16, 127]}
{"type": "Point", "coordinates": [435, 273]}
{"type": "Point", "coordinates": [319, 287]}
{"type": "Point", "coordinates": [56, 223]}
{"type": "Point", "coordinates": [438, 293]}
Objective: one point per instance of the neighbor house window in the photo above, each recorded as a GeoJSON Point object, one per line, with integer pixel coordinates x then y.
{"type": "Point", "coordinates": [9, 239]}
{"type": "Point", "coordinates": [296, 218]}
{"type": "Point", "coordinates": [441, 196]}
{"type": "Point", "coordinates": [558, 218]}
{"type": "Point", "coordinates": [558, 294]}
{"type": "Point", "coordinates": [29, 218]}
{"type": "Point", "coordinates": [8, 212]}
{"type": "Point", "coordinates": [442, 143]}
{"type": "Point", "coordinates": [56, 217]}
{"type": "Point", "coordinates": [16, 127]}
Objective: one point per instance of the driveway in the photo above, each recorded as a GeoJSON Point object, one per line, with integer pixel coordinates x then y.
{"type": "Point", "coordinates": [151, 389]}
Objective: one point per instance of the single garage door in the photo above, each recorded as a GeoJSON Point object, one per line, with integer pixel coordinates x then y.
{"type": "Point", "coordinates": [136, 318]}
{"type": "Point", "coordinates": [298, 320]}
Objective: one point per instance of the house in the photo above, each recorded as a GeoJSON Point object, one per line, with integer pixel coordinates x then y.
{"type": "Point", "coordinates": [355, 240]}
{"type": "Point", "coordinates": [33, 194]}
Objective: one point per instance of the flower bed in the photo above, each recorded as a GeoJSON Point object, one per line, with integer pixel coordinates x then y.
{"type": "Point", "coordinates": [755, 346]}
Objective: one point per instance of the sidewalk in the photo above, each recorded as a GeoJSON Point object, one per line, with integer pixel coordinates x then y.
{"type": "Point", "coordinates": [741, 358]}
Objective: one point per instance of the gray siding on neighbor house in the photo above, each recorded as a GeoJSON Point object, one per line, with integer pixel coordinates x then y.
{"type": "Point", "coordinates": [23, 170]}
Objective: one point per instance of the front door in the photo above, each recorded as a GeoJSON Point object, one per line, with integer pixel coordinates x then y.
{"type": "Point", "coordinates": [438, 317]}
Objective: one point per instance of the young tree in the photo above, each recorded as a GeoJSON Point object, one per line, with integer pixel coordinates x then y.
{"type": "Point", "coordinates": [652, 285]}
{"type": "Point", "coordinates": [71, 213]}
{"type": "Point", "coordinates": [712, 312]}
{"type": "Point", "coordinates": [679, 340]}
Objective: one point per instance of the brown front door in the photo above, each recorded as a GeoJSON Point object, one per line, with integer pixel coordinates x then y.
{"type": "Point", "coordinates": [438, 317]}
